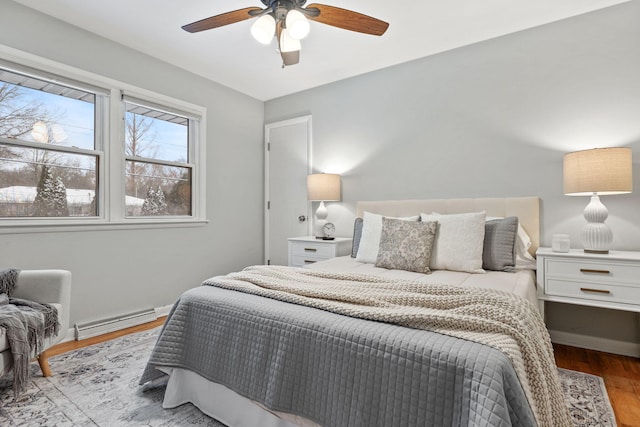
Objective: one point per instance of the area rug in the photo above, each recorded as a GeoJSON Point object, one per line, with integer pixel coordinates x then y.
{"type": "Point", "coordinates": [98, 386]}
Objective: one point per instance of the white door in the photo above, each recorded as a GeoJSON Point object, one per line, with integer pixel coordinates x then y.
{"type": "Point", "coordinates": [287, 164]}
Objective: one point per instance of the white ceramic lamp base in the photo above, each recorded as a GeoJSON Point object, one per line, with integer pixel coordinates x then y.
{"type": "Point", "coordinates": [596, 235]}
{"type": "Point", "coordinates": [320, 221]}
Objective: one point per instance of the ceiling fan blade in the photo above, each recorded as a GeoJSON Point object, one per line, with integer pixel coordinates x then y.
{"type": "Point", "coordinates": [348, 19]}
{"type": "Point", "coordinates": [220, 20]}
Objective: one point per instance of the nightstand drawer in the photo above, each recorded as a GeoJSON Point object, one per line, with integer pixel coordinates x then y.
{"type": "Point", "coordinates": [301, 260]}
{"type": "Point", "coordinates": [309, 249]}
{"type": "Point", "coordinates": [593, 291]}
{"type": "Point", "coordinates": [592, 271]}
{"type": "Point", "coordinates": [609, 281]}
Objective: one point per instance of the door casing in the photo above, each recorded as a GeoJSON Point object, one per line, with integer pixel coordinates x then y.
{"type": "Point", "coordinates": [268, 128]}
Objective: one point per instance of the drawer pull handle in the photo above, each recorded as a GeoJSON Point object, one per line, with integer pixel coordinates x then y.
{"type": "Point", "coordinates": [308, 261]}
{"type": "Point", "coordinates": [600, 291]}
{"type": "Point", "coordinates": [310, 250]}
{"type": "Point", "coordinates": [588, 270]}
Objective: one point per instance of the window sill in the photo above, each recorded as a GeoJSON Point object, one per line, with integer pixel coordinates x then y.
{"type": "Point", "coordinates": [8, 226]}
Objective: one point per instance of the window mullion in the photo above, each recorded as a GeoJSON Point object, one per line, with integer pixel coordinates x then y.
{"type": "Point", "coordinates": [157, 162]}
{"type": "Point", "coordinates": [48, 147]}
{"type": "Point", "coordinates": [115, 160]}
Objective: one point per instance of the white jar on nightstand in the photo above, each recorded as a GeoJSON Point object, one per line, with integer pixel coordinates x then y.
{"type": "Point", "coordinates": [560, 243]}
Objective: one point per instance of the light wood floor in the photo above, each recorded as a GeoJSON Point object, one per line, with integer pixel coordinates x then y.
{"type": "Point", "coordinates": [621, 374]}
{"type": "Point", "coordinates": [74, 345]}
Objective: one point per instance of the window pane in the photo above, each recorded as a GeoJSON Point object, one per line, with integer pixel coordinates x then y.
{"type": "Point", "coordinates": [45, 183]}
{"type": "Point", "coordinates": [40, 111]}
{"type": "Point", "coordinates": [154, 190]}
{"type": "Point", "coordinates": [156, 135]}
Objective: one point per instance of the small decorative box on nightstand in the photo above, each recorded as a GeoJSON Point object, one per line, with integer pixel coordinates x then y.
{"type": "Point", "coordinates": [307, 250]}
{"type": "Point", "coordinates": [600, 280]}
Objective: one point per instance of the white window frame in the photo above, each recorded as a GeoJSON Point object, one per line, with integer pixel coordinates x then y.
{"type": "Point", "coordinates": [111, 164]}
{"type": "Point", "coordinates": [193, 134]}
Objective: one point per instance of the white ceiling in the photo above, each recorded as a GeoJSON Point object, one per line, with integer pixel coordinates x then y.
{"type": "Point", "coordinates": [230, 56]}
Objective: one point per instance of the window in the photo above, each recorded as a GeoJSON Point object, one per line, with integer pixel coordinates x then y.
{"type": "Point", "coordinates": [48, 156]}
{"type": "Point", "coordinates": [158, 172]}
{"type": "Point", "coordinates": [62, 162]}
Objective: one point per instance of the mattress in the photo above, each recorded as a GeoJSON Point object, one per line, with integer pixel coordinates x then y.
{"type": "Point", "coordinates": [236, 408]}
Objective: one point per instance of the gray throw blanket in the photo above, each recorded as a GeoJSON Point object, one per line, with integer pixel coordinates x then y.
{"type": "Point", "coordinates": [27, 325]}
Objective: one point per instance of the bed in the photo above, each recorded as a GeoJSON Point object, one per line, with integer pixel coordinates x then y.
{"type": "Point", "coordinates": [278, 346]}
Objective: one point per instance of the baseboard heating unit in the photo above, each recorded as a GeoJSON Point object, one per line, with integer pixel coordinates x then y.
{"type": "Point", "coordinates": [99, 327]}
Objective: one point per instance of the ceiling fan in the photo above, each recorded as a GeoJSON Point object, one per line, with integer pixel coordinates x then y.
{"type": "Point", "coordinates": [287, 20]}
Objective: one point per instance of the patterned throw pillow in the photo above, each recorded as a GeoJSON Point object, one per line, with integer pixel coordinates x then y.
{"type": "Point", "coordinates": [370, 240]}
{"type": "Point", "coordinates": [406, 245]}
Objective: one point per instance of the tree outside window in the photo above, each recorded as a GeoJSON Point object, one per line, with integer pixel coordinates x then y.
{"type": "Point", "coordinates": [56, 161]}
{"type": "Point", "coordinates": [157, 168]}
{"type": "Point", "coordinates": [47, 146]}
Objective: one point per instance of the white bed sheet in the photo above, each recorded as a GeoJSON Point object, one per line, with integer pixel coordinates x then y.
{"type": "Point", "coordinates": [224, 404]}
{"type": "Point", "coordinates": [235, 410]}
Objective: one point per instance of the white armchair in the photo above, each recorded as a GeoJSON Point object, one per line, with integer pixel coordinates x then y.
{"type": "Point", "coordinates": [43, 286]}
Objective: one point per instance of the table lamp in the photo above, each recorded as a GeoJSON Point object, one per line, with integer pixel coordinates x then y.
{"type": "Point", "coordinates": [322, 187]}
{"type": "Point", "coordinates": [601, 171]}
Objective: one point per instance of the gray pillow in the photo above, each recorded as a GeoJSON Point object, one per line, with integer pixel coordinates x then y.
{"type": "Point", "coordinates": [357, 234]}
{"type": "Point", "coordinates": [406, 245]}
{"type": "Point", "coordinates": [499, 250]}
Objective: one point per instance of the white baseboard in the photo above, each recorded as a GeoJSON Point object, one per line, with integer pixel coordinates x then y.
{"type": "Point", "coordinates": [163, 311]}
{"type": "Point", "coordinates": [160, 312]}
{"type": "Point", "coordinates": [70, 336]}
{"type": "Point", "coordinates": [606, 345]}
{"type": "Point", "coordinates": [114, 323]}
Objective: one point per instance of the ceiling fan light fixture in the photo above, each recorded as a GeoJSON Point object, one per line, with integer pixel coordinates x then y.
{"type": "Point", "coordinates": [263, 29]}
{"type": "Point", "coordinates": [288, 20]}
{"type": "Point", "coordinates": [288, 43]}
{"type": "Point", "coordinates": [297, 24]}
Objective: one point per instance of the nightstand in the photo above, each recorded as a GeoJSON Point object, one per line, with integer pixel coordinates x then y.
{"type": "Point", "coordinates": [307, 250]}
{"type": "Point", "coordinates": [608, 281]}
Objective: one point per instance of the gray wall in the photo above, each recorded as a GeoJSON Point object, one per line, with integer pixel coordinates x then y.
{"type": "Point", "coordinates": [116, 272]}
{"type": "Point", "coordinates": [492, 119]}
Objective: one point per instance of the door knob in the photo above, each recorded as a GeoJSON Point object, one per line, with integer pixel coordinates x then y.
{"type": "Point", "coordinates": [302, 218]}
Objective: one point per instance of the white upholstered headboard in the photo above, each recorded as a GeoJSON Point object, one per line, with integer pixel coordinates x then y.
{"type": "Point", "coordinates": [527, 209]}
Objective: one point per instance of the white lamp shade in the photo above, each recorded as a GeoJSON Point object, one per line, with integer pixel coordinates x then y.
{"type": "Point", "coordinates": [593, 173]}
{"type": "Point", "coordinates": [263, 29]}
{"type": "Point", "coordinates": [602, 171]}
{"type": "Point", "coordinates": [59, 135]}
{"type": "Point", "coordinates": [40, 132]}
{"type": "Point", "coordinates": [297, 25]}
{"type": "Point", "coordinates": [287, 43]}
{"type": "Point", "coordinates": [323, 186]}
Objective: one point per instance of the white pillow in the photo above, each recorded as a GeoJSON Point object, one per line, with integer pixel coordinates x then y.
{"type": "Point", "coordinates": [524, 260]}
{"type": "Point", "coordinates": [370, 240]}
{"type": "Point", "coordinates": [459, 241]}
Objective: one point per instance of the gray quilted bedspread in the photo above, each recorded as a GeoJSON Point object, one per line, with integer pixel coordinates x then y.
{"type": "Point", "coordinates": [337, 370]}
